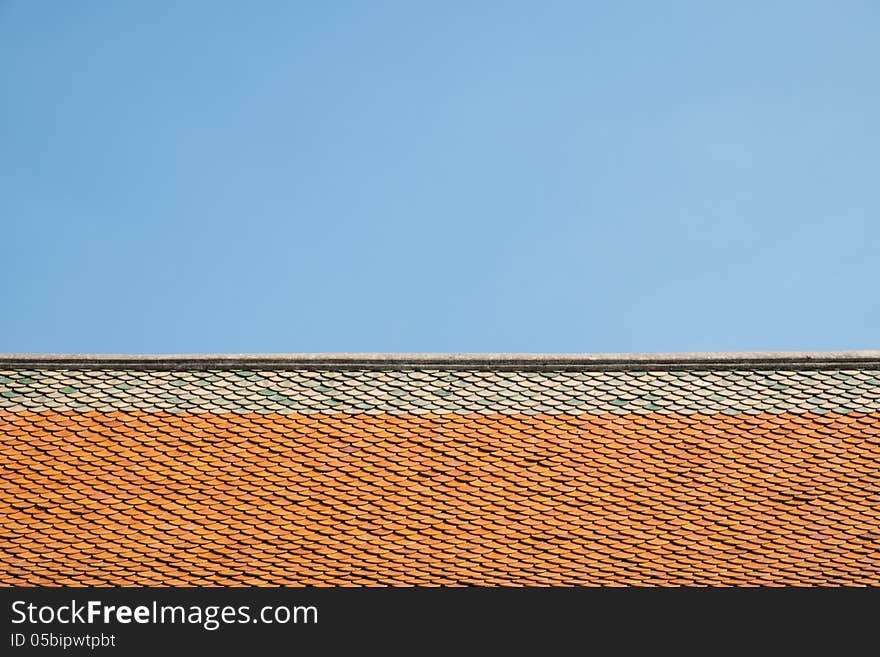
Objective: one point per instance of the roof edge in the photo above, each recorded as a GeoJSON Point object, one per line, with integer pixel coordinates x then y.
{"type": "Point", "coordinates": [787, 360]}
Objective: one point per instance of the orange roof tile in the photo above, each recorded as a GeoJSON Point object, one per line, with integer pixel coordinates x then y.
{"type": "Point", "coordinates": [485, 476]}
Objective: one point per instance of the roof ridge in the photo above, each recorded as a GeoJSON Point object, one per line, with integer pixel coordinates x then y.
{"type": "Point", "coordinates": [490, 361]}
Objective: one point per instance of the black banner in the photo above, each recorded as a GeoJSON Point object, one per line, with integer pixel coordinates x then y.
{"type": "Point", "coordinates": [114, 621]}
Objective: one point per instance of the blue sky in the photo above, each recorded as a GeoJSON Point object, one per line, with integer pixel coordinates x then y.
{"type": "Point", "coordinates": [439, 176]}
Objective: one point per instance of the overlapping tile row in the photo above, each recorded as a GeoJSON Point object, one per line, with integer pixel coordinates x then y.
{"type": "Point", "coordinates": [441, 391]}
{"type": "Point", "coordinates": [439, 478]}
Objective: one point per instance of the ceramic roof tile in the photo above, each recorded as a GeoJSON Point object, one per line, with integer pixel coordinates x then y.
{"type": "Point", "coordinates": [427, 476]}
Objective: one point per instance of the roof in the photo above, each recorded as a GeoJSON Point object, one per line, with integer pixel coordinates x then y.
{"type": "Point", "coordinates": [797, 360]}
{"type": "Point", "coordinates": [368, 469]}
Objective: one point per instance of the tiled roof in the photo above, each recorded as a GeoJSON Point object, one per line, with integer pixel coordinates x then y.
{"type": "Point", "coordinates": [371, 471]}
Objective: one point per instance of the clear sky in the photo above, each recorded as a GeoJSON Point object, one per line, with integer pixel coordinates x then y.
{"type": "Point", "coordinates": [439, 176]}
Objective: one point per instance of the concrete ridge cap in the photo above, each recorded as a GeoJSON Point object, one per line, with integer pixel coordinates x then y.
{"type": "Point", "coordinates": [485, 361]}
